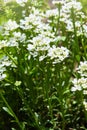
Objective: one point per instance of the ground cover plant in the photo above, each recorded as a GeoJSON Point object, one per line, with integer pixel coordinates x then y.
{"type": "Point", "coordinates": [43, 67]}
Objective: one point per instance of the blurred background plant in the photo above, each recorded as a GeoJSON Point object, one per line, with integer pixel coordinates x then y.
{"type": "Point", "coordinates": [9, 9]}
{"type": "Point", "coordinates": [84, 3]}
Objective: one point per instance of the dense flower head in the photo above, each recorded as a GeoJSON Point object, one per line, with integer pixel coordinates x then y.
{"type": "Point", "coordinates": [19, 36]}
{"type": "Point", "coordinates": [58, 54]}
{"type": "Point", "coordinates": [73, 4]}
{"type": "Point", "coordinates": [40, 43]}
{"type": "Point", "coordinates": [82, 69]}
{"type": "Point", "coordinates": [11, 25]}
{"type": "Point", "coordinates": [33, 20]}
{"type": "Point", "coordinates": [79, 84]}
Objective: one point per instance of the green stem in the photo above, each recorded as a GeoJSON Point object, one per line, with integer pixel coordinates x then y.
{"type": "Point", "coordinates": [29, 110]}
{"type": "Point", "coordinates": [10, 57]}
{"type": "Point", "coordinates": [10, 109]}
{"type": "Point", "coordinates": [75, 30]}
{"type": "Point", "coordinates": [58, 22]}
{"type": "Point", "coordinates": [60, 93]}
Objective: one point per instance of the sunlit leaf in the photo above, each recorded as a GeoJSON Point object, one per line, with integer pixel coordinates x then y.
{"type": "Point", "coordinates": [8, 111]}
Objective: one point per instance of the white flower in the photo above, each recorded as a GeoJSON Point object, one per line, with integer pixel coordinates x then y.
{"type": "Point", "coordinates": [43, 27]}
{"type": "Point", "coordinates": [6, 33]}
{"type": "Point", "coordinates": [73, 89]}
{"type": "Point", "coordinates": [48, 34]}
{"type": "Point", "coordinates": [19, 36]}
{"type": "Point", "coordinates": [10, 25]}
{"type": "Point", "coordinates": [42, 58]}
{"type": "Point", "coordinates": [40, 43]}
{"type": "Point", "coordinates": [30, 47]}
{"type": "Point", "coordinates": [85, 92]}
{"type": "Point", "coordinates": [73, 4]}
{"type": "Point", "coordinates": [85, 104]}
{"type": "Point", "coordinates": [78, 24]}
{"type": "Point", "coordinates": [30, 22]}
{"type": "Point", "coordinates": [2, 69]}
{"type": "Point", "coordinates": [5, 62]}
{"type": "Point", "coordinates": [12, 42]}
{"type": "Point", "coordinates": [21, 2]}
{"type": "Point", "coordinates": [51, 13]}
{"type": "Point", "coordinates": [39, 46]}
{"type": "Point", "coordinates": [6, 1]}
{"type": "Point", "coordinates": [69, 25]}
{"type": "Point", "coordinates": [58, 2]}
{"type": "Point", "coordinates": [3, 43]}
{"type": "Point", "coordinates": [2, 76]}
{"type": "Point", "coordinates": [85, 30]}
{"type": "Point", "coordinates": [17, 83]}
{"type": "Point", "coordinates": [76, 86]}
{"type": "Point", "coordinates": [79, 84]}
{"type": "Point", "coordinates": [82, 69]}
{"type": "Point", "coordinates": [33, 20]}
{"type": "Point", "coordinates": [58, 54]}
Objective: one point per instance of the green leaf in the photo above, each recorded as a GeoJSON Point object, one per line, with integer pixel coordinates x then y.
{"type": "Point", "coordinates": [67, 91]}
{"type": "Point", "coordinates": [8, 111]}
{"type": "Point", "coordinates": [54, 97]}
{"type": "Point", "coordinates": [23, 125]}
{"type": "Point", "coordinates": [78, 57]}
{"type": "Point", "coordinates": [13, 128]}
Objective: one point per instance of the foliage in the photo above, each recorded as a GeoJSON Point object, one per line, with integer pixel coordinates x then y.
{"type": "Point", "coordinates": [84, 3]}
{"type": "Point", "coordinates": [43, 67]}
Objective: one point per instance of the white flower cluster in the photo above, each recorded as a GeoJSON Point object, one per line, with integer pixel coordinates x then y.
{"type": "Point", "coordinates": [13, 40]}
{"type": "Point", "coordinates": [85, 104]}
{"type": "Point", "coordinates": [65, 9]}
{"type": "Point", "coordinates": [68, 3]}
{"type": "Point", "coordinates": [81, 83]}
{"type": "Point", "coordinates": [2, 74]}
{"type": "Point", "coordinates": [3, 43]}
{"type": "Point", "coordinates": [33, 20]}
{"type": "Point", "coordinates": [19, 36]}
{"type": "Point", "coordinates": [11, 25]}
{"type": "Point", "coordinates": [82, 69]}
{"type": "Point", "coordinates": [85, 29]}
{"type": "Point", "coordinates": [41, 46]}
{"type": "Point", "coordinates": [69, 10]}
{"type": "Point", "coordinates": [58, 54]}
{"type": "Point", "coordinates": [4, 62]}
{"type": "Point", "coordinates": [21, 2]}
{"type": "Point", "coordinates": [52, 12]}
